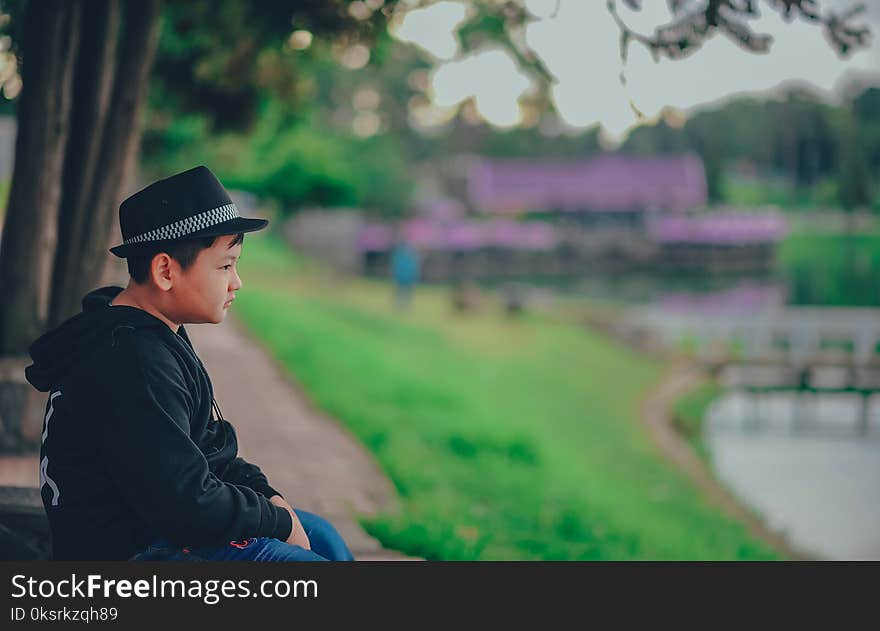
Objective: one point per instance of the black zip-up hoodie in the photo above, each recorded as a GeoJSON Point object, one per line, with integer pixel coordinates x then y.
{"type": "Point", "coordinates": [130, 449]}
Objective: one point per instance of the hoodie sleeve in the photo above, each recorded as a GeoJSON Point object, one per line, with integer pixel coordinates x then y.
{"type": "Point", "coordinates": [240, 471]}
{"type": "Point", "coordinates": [159, 470]}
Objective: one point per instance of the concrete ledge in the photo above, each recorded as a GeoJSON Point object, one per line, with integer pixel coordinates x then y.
{"type": "Point", "coordinates": [24, 528]}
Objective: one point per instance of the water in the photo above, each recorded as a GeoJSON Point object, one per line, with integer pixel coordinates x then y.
{"type": "Point", "coordinates": [804, 466]}
{"type": "Point", "coordinates": [811, 269]}
{"type": "Point", "coordinates": [801, 463]}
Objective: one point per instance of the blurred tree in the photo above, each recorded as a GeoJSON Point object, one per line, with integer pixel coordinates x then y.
{"type": "Point", "coordinates": [854, 173]}
{"type": "Point", "coordinates": [220, 58]}
{"type": "Point", "coordinates": [803, 138]}
{"type": "Point", "coordinates": [804, 146]}
{"type": "Point", "coordinates": [340, 147]}
{"type": "Point", "coordinates": [796, 136]}
{"type": "Point", "coordinates": [866, 111]}
{"type": "Point", "coordinates": [304, 163]}
{"type": "Point", "coordinates": [85, 68]}
{"type": "Point", "coordinates": [696, 21]}
{"type": "Point", "coordinates": [502, 22]}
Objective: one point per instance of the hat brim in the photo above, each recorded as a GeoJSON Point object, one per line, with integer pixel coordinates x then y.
{"type": "Point", "coordinates": [233, 226]}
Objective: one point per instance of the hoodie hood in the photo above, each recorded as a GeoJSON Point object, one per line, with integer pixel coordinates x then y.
{"type": "Point", "coordinates": [58, 351]}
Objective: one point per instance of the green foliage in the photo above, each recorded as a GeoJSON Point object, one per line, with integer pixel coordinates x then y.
{"type": "Point", "coordinates": [4, 199]}
{"type": "Point", "coordinates": [505, 439]}
{"type": "Point", "coordinates": [866, 112]}
{"type": "Point", "coordinates": [796, 151]}
{"type": "Point", "coordinates": [294, 163]}
{"type": "Point", "coordinates": [832, 269]}
{"type": "Point", "coordinates": [172, 144]}
{"type": "Point", "coordinates": [221, 58]}
{"type": "Point", "coordinates": [229, 93]}
{"type": "Point", "coordinates": [293, 160]}
{"type": "Point", "coordinates": [221, 69]}
{"type": "Point", "coordinates": [780, 192]}
{"type": "Point", "coordinates": [853, 169]}
{"type": "Point", "coordinates": [485, 25]}
{"type": "Point", "coordinates": [301, 164]}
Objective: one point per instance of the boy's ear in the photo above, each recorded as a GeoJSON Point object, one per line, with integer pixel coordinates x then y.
{"type": "Point", "coordinates": [160, 269]}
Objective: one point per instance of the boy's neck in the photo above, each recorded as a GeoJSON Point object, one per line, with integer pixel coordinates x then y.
{"type": "Point", "coordinates": [134, 296]}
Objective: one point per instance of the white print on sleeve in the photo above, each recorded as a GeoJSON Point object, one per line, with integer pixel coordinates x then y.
{"type": "Point", "coordinates": [44, 464]}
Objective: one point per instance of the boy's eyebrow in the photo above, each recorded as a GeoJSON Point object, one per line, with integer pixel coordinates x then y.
{"type": "Point", "coordinates": [231, 256]}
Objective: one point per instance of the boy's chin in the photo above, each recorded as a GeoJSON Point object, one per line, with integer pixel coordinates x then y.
{"type": "Point", "coordinates": [215, 318]}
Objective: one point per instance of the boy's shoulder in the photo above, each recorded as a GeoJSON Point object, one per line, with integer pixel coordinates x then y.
{"type": "Point", "coordinates": [142, 350]}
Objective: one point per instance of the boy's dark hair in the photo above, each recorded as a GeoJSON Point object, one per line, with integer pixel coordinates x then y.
{"type": "Point", "coordinates": [184, 251]}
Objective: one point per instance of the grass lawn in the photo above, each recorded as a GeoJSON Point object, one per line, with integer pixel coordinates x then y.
{"type": "Point", "coordinates": [4, 199]}
{"type": "Point", "coordinates": [505, 438]}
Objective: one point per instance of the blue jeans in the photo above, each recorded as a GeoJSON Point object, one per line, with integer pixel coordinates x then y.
{"type": "Point", "coordinates": [327, 545]}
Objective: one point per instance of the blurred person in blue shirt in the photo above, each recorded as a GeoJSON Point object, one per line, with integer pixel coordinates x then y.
{"type": "Point", "coordinates": [404, 271]}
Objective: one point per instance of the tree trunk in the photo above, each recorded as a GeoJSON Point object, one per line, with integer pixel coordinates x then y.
{"type": "Point", "coordinates": [86, 256]}
{"type": "Point", "coordinates": [95, 66]}
{"type": "Point", "coordinates": [50, 34]}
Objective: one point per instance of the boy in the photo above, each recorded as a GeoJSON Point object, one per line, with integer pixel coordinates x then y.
{"type": "Point", "coordinates": [134, 463]}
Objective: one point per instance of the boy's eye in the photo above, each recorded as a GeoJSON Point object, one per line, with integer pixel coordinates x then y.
{"type": "Point", "coordinates": [227, 266]}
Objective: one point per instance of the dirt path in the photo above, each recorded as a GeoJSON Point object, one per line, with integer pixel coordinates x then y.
{"type": "Point", "coordinates": [311, 459]}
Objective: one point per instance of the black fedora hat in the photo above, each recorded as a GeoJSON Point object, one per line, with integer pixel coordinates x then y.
{"type": "Point", "coordinates": [184, 206]}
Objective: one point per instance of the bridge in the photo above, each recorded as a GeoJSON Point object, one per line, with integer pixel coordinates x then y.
{"type": "Point", "coordinates": [806, 350]}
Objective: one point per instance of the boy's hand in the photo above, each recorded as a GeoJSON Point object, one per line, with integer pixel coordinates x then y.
{"type": "Point", "coordinates": [298, 535]}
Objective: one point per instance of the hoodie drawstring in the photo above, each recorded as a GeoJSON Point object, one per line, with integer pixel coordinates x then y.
{"type": "Point", "coordinates": [216, 408]}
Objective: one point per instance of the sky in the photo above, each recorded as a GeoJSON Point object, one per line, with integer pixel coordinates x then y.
{"type": "Point", "coordinates": [579, 42]}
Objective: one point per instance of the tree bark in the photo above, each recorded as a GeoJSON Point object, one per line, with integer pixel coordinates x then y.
{"type": "Point", "coordinates": [50, 37]}
{"type": "Point", "coordinates": [84, 260]}
{"type": "Point", "coordinates": [95, 65]}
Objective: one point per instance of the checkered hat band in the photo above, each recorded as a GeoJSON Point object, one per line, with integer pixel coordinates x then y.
{"type": "Point", "coordinates": [181, 228]}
